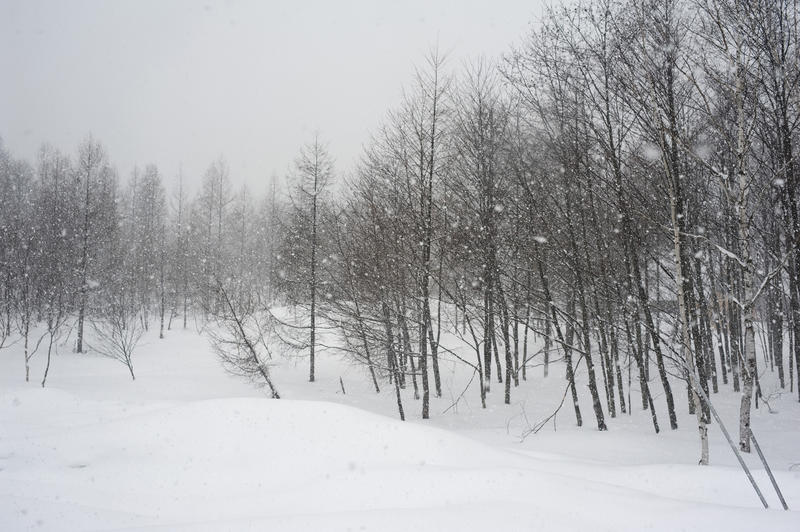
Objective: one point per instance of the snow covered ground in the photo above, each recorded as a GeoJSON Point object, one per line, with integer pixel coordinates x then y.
{"type": "Point", "coordinates": [187, 447]}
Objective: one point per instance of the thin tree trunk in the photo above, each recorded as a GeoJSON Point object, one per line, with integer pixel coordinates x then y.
{"type": "Point", "coordinates": [567, 345]}
{"type": "Point", "coordinates": [392, 358]}
{"type": "Point", "coordinates": [686, 345]}
{"type": "Point", "coordinates": [313, 283]}
{"type": "Point", "coordinates": [587, 347]}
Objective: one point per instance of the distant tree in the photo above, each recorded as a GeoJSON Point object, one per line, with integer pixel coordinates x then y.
{"type": "Point", "coordinates": [179, 253]}
{"type": "Point", "coordinates": [209, 229]}
{"type": "Point", "coordinates": [145, 237]}
{"type": "Point", "coordinates": [266, 238]}
{"type": "Point", "coordinates": [15, 233]}
{"type": "Point", "coordinates": [242, 243]}
{"type": "Point", "coordinates": [96, 182]}
{"type": "Point", "coordinates": [20, 251]}
{"type": "Point", "coordinates": [55, 204]}
{"type": "Point", "coordinates": [304, 234]}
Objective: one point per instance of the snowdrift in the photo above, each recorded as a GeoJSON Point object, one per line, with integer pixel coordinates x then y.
{"type": "Point", "coordinates": [68, 463]}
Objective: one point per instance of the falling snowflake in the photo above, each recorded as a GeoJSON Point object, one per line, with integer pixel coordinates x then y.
{"type": "Point", "coordinates": [651, 152]}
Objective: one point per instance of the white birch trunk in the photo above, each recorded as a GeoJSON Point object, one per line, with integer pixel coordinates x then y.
{"type": "Point", "coordinates": [701, 423]}
{"type": "Point", "coordinates": [749, 355]}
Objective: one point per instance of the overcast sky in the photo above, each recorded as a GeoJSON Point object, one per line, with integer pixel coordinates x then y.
{"type": "Point", "coordinates": [179, 83]}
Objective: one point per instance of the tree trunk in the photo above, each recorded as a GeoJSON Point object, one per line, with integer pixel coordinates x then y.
{"type": "Point", "coordinates": [567, 345]}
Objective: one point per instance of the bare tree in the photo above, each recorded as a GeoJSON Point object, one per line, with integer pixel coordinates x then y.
{"type": "Point", "coordinates": [97, 182]}
{"type": "Point", "coordinates": [301, 254]}
{"type": "Point", "coordinates": [240, 336]}
{"type": "Point", "coordinates": [117, 331]}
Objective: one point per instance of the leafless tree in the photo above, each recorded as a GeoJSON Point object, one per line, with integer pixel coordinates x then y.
{"type": "Point", "coordinates": [117, 331]}
{"type": "Point", "coordinates": [241, 336]}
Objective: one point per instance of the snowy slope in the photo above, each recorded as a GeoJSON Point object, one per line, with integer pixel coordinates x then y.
{"type": "Point", "coordinates": [186, 447]}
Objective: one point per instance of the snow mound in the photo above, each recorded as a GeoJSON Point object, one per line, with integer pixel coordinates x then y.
{"type": "Point", "coordinates": [256, 464]}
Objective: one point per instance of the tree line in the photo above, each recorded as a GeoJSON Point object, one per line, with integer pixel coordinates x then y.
{"type": "Point", "coordinates": [618, 192]}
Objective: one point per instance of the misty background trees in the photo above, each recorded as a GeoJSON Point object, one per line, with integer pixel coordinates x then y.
{"type": "Point", "coordinates": [618, 193]}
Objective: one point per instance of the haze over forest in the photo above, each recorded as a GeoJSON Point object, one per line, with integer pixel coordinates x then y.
{"type": "Point", "coordinates": [179, 83]}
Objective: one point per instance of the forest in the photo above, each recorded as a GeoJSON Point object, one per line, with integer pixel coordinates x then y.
{"type": "Point", "coordinates": [617, 196]}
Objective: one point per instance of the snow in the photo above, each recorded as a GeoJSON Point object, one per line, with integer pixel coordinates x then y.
{"type": "Point", "coordinates": [651, 152]}
{"type": "Point", "coordinates": [186, 447]}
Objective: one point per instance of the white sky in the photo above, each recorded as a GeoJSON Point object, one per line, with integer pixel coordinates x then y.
{"type": "Point", "coordinates": [179, 83]}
